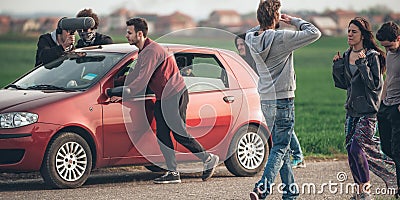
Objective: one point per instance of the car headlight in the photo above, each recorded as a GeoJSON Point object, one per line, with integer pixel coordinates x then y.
{"type": "Point", "coordinates": [17, 119]}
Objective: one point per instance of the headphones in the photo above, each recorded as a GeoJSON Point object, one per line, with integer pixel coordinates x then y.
{"type": "Point", "coordinates": [59, 29]}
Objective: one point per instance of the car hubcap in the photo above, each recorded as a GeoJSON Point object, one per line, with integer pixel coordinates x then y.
{"type": "Point", "coordinates": [251, 150]}
{"type": "Point", "coordinates": [71, 161]}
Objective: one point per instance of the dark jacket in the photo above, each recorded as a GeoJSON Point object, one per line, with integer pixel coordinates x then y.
{"type": "Point", "coordinates": [364, 87]}
{"type": "Point", "coordinates": [47, 50]}
{"type": "Point", "coordinates": [250, 61]}
{"type": "Point", "coordinates": [100, 39]}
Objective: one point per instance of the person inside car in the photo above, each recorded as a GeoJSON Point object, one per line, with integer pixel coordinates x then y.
{"type": "Point", "coordinates": [184, 66]}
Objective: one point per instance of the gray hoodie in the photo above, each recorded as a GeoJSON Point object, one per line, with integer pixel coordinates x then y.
{"type": "Point", "coordinates": [272, 51]}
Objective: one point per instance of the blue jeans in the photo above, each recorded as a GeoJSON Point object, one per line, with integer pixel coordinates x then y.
{"type": "Point", "coordinates": [279, 115]}
{"type": "Point", "coordinates": [297, 154]}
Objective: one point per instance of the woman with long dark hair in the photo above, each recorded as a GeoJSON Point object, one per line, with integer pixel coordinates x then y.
{"type": "Point", "coordinates": [360, 71]}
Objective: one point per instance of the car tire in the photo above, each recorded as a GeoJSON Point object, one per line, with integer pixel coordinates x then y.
{"type": "Point", "coordinates": [155, 168]}
{"type": "Point", "coordinates": [67, 162]}
{"type": "Point", "coordinates": [248, 151]}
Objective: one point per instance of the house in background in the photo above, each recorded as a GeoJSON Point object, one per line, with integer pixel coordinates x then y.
{"type": "Point", "coordinates": [174, 22]}
{"type": "Point", "coordinates": [342, 18]}
{"type": "Point", "coordinates": [151, 20]}
{"type": "Point", "coordinates": [248, 21]}
{"type": "Point", "coordinates": [25, 26]}
{"type": "Point", "coordinates": [393, 17]}
{"type": "Point", "coordinates": [5, 24]}
{"type": "Point", "coordinates": [326, 25]}
{"type": "Point", "coordinates": [229, 20]}
{"type": "Point", "coordinates": [47, 24]}
{"type": "Point", "coordinates": [226, 20]}
{"type": "Point", "coordinates": [116, 22]}
{"type": "Point", "coordinates": [104, 24]}
{"type": "Point", "coordinates": [247, 24]}
{"type": "Point", "coordinates": [376, 21]}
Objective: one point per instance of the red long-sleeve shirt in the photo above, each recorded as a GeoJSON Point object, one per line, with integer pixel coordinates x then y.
{"type": "Point", "coordinates": [156, 69]}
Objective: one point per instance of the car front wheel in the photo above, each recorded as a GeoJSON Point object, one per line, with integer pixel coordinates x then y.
{"type": "Point", "coordinates": [67, 162]}
{"type": "Point", "coordinates": [248, 151]}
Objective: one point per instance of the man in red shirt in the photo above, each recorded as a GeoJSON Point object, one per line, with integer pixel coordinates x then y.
{"type": "Point", "coordinates": [159, 71]}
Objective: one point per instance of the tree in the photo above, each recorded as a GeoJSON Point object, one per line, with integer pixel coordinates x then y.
{"type": "Point", "coordinates": [377, 10]}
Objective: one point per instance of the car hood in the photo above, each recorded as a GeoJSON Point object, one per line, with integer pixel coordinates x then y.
{"type": "Point", "coordinates": [10, 97]}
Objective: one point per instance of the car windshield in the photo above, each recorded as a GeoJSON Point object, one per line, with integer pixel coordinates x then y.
{"type": "Point", "coordinates": [76, 71]}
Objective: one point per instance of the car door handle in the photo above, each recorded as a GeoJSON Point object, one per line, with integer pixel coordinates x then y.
{"type": "Point", "coordinates": [229, 99]}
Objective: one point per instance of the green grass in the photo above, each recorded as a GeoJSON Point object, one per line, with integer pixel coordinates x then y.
{"type": "Point", "coordinates": [17, 55]}
{"type": "Point", "coordinates": [319, 105]}
{"type": "Point", "coordinates": [320, 112]}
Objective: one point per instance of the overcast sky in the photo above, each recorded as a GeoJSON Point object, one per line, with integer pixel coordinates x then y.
{"type": "Point", "coordinates": [199, 9]}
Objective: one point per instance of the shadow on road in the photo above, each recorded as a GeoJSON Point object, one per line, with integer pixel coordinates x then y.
{"type": "Point", "coordinates": [94, 179]}
{"type": "Point", "coordinates": [33, 181]}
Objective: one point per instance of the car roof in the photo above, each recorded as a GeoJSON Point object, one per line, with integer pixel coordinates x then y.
{"type": "Point", "coordinates": [113, 48]}
{"type": "Point", "coordinates": [127, 48]}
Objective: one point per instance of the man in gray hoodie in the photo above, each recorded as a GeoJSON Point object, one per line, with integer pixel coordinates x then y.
{"type": "Point", "coordinates": [272, 51]}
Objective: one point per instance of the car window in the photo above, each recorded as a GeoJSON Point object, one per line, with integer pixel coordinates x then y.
{"type": "Point", "coordinates": [201, 72]}
{"type": "Point", "coordinates": [76, 72]}
{"type": "Point", "coordinates": [119, 78]}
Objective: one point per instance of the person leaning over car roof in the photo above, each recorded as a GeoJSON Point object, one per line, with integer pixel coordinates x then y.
{"type": "Point", "coordinates": [53, 45]}
{"type": "Point", "coordinates": [89, 37]}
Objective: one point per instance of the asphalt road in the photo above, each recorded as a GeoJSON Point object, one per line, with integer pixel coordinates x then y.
{"type": "Point", "coordinates": [328, 178]}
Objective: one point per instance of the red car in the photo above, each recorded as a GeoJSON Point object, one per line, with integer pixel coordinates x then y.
{"type": "Point", "coordinates": [56, 119]}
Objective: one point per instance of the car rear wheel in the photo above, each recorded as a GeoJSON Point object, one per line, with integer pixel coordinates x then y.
{"type": "Point", "coordinates": [248, 151]}
{"type": "Point", "coordinates": [67, 162]}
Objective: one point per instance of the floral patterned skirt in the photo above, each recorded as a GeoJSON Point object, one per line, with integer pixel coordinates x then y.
{"type": "Point", "coordinates": [362, 129]}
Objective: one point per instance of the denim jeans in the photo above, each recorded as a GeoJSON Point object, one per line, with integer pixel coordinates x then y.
{"type": "Point", "coordinates": [295, 148]}
{"type": "Point", "coordinates": [279, 115]}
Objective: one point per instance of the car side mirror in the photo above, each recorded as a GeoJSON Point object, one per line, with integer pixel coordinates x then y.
{"type": "Point", "coordinates": [117, 91]}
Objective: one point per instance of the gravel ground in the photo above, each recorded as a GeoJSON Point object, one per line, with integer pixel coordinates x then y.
{"type": "Point", "coordinates": [329, 178]}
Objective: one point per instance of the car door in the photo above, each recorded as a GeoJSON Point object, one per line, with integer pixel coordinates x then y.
{"type": "Point", "coordinates": [214, 99]}
{"type": "Point", "coordinates": [129, 127]}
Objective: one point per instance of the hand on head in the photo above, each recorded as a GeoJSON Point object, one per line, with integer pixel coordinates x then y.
{"type": "Point", "coordinates": [286, 18]}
